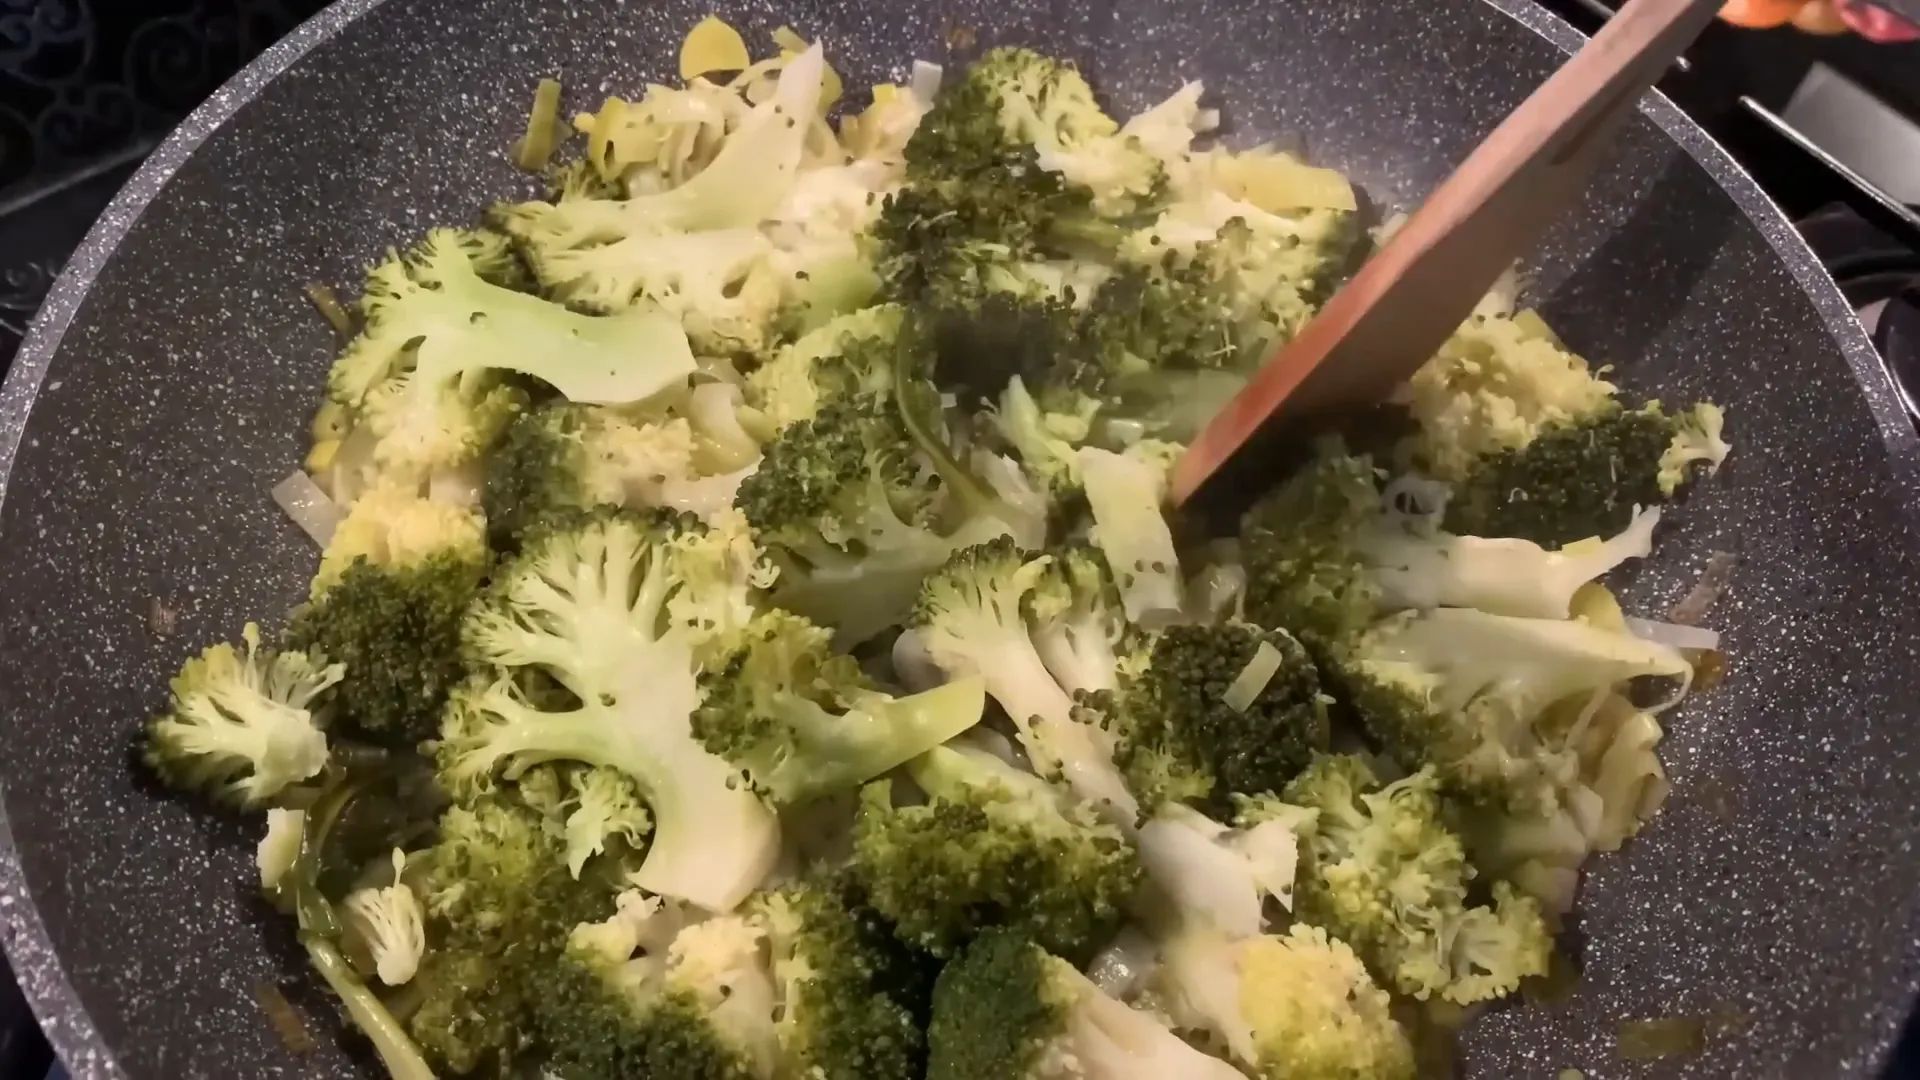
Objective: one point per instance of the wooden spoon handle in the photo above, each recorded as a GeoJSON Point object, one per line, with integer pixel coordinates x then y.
{"type": "Point", "coordinates": [1412, 294]}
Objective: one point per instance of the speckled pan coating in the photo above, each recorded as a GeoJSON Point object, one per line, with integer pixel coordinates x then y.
{"type": "Point", "coordinates": [164, 390]}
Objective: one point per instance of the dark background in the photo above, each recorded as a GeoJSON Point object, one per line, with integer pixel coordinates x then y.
{"type": "Point", "coordinates": [88, 86]}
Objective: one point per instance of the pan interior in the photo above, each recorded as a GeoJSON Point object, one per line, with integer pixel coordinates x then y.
{"type": "Point", "coordinates": [1772, 898]}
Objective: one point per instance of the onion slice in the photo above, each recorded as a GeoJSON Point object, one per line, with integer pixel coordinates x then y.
{"type": "Point", "coordinates": [925, 82]}
{"type": "Point", "coordinates": [1713, 581]}
{"type": "Point", "coordinates": [1253, 678]}
{"type": "Point", "coordinates": [308, 506]}
{"type": "Point", "coordinates": [1674, 635]}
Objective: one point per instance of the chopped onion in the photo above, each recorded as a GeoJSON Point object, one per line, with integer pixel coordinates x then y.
{"type": "Point", "coordinates": [308, 506]}
{"type": "Point", "coordinates": [1673, 635]}
{"type": "Point", "coordinates": [1253, 678]}
{"type": "Point", "coordinates": [1713, 581]}
{"type": "Point", "coordinates": [544, 129]}
{"type": "Point", "coordinates": [329, 307]}
{"type": "Point", "coordinates": [925, 82]}
{"type": "Point", "coordinates": [1206, 119]}
{"type": "Point", "coordinates": [1123, 966]}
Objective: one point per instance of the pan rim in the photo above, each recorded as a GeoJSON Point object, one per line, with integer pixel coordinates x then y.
{"type": "Point", "coordinates": [24, 939]}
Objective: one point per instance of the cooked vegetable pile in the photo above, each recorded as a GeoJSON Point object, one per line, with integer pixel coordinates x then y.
{"type": "Point", "coordinates": [749, 640]}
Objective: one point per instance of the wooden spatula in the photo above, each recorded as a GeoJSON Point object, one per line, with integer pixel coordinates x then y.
{"type": "Point", "coordinates": [1411, 295]}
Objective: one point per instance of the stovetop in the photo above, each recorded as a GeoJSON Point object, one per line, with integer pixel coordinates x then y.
{"type": "Point", "coordinates": [86, 90]}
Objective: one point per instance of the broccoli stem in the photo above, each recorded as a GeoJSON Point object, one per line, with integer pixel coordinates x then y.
{"type": "Point", "coordinates": [919, 405]}
{"type": "Point", "coordinates": [390, 1040]}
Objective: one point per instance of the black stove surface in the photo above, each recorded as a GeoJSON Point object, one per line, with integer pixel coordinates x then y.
{"type": "Point", "coordinates": [84, 92]}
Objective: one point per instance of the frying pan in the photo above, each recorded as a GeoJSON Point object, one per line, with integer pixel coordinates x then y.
{"type": "Point", "coordinates": [165, 386]}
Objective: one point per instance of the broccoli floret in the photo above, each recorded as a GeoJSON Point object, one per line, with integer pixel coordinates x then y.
{"type": "Point", "coordinates": [1046, 441]}
{"type": "Point", "coordinates": [849, 357]}
{"type": "Point", "coordinates": [1386, 876]}
{"type": "Point", "coordinates": [396, 628]}
{"type": "Point", "coordinates": [419, 375]}
{"type": "Point", "coordinates": [1078, 627]}
{"type": "Point", "coordinates": [1465, 692]}
{"type": "Point", "coordinates": [244, 724]}
{"type": "Point", "coordinates": [1304, 569]}
{"type": "Point", "coordinates": [803, 721]}
{"type": "Point", "coordinates": [972, 619]}
{"type": "Point", "coordinates": [1146, 321]}
{"type": "Point", "coordinates": [1006, 1009]}
{"type": "Point", "coordinates": [847, 510]}
{"type": "Point", "coordinates": [1577, 478]}
{"type": "Point", "coordinates": [977, 203]}
{"type": "Point", "coordinates": [621, 609]}
{"type": "Point", "coordinates": [1262, 274]}
{"type": "Point", "coordinates": [694, 251]}
{"type": "Point", "coordinates": [1324, 558]}
{"type": "Point", "coordinates": [659, 990]}
{"type": "Point", "coordinates": [501, 903]}
{"type": "Point", "coordinates": [601, 806]}
{"type": "Point", "coordinates": [853, 997]}
{"type": "Point", "coordinates": [568, 457]}
{"type": "Point", "coordinates": [1536, 445]}
{"type": "Point", "coordinates": [1697, 440]}
{"type": "Point", "coordinates": [992, 845]}
{"type": "Point", "coordinates": [393, 525]}
{"type": "Point", "coordinates": [1180, 740]}
{"type": "Point", "coordinates": [1208, 876]}
{"type": "Point", "coordinates": [391, 923]}
{"type": "Point", "coordinates": [1297, 1006]}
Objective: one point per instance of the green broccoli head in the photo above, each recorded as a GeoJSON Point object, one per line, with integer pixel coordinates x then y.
{"type": "Point", "coordinates": [1079, 628]}
{"type": "Point", "coordinates": [1304, 569]}
{"type": "Point", "coordinates": [992, 846]}
{"type": "Point", "coordinates": [1466, 693]}
{"type": "Point", "coordinates": [973, 620]}
{"type": "Point", "coordinates": [1387, 876]}
{"type": "Point", "coordinates": [1180, 739]}
{"type": "Point", "coordinates": [393, 525]}
{"type": "Point", "coordinates": [1535, 443]}
{"type": "Point", "coordinates": [1146, 321]}
{"type": "Point", "coordinates": [244, 724]}
{"type": "Point", "coordinates": [661, 990]}
{"type": "Point", "coordinates": [502, 903]}
{"type": "Point", "coordinates": [623, 610]}
{"type": "Point", "coordinates": [423, 377]}
{"type": "Point", "coordinates": [845, 507]}
{"type": "Point", "coordinates": [803, 721]}
{"type": "Point", "coordinates": [1298, 1004]}
{"type": "Point", "coordinates": [1006, 1009]}
{"type": "Point", "coordinates": [564, 457]}
{"type": "Point", "coordinates": [1575, 479]}
{"type": "Point", "coordinates": [977, 198]}
{"type": "Point", "coordinates": [854, 998]}
{"type": "Point", "coordinates": [397, 630]}
{"type": "Point", "coordinates": [690, 252]}
{"type": "Point", "coordinates": [849, 357]}
{"type": "Point", "coordinates": [1315, 1013]}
